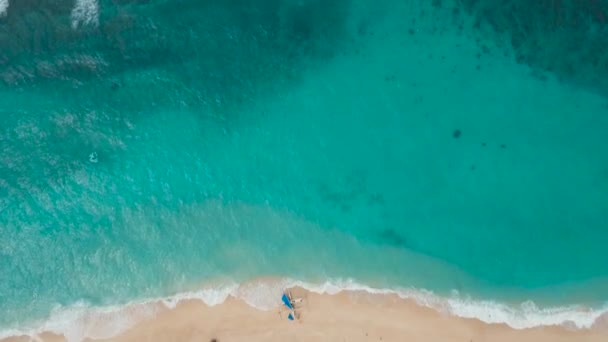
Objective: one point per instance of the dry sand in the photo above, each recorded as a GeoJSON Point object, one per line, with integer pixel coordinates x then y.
{"type": "Point", "coordinates": [348, 316]}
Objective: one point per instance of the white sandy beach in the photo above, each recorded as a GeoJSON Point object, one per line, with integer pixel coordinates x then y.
{"type": "Point", "coordinates": [347, 316]}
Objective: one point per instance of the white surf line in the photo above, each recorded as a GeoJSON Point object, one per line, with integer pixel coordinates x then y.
{"type": "Point", "coordinates": [3, 7]}
{"type": "Point", "coordinates": [85, 12]}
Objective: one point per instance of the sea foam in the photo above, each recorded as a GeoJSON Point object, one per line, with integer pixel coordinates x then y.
{"type": "Point", "coordinates": [85, 12]}
{"type": "Point", "coordinates": [81, 321]}
{"type": "Point", "coordinates": [3, 7]}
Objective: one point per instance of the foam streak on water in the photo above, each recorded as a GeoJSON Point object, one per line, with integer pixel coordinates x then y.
{"type": "Point", "coordinates": [85, 12]}
{"type": "Point", "coordinates": [3, 7]}
{"type": "Point", "coordinates": [80, 321]}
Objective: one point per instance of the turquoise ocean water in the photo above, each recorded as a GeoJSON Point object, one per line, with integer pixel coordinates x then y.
{"type": "Point", "coordinates": [149, 148]}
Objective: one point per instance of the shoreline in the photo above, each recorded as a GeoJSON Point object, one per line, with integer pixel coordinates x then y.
{"type": "Point", "coordinates": [256, 304]}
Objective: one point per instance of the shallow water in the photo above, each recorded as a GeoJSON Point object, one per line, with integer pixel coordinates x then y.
{"type": "Point", "coordinates": [153, 147]}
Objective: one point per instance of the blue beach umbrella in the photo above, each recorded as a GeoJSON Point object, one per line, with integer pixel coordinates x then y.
{"type": "Point", "coordinates": [286, 301]}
